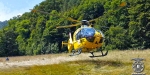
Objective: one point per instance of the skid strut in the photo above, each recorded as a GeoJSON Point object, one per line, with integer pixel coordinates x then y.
{"type": "Point", "coordinates": [78, 52]}
{"type": "Point", "coordinates": [100, 55]}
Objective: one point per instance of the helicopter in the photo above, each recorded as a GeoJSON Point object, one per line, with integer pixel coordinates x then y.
{"type": "Point", "coordinates": [84, 39]}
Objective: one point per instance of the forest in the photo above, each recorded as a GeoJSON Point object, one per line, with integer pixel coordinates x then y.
{"type": "Point", "coordinates": [125, 27]}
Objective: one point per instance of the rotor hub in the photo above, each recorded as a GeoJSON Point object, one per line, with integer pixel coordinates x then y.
{"type": "Point", "coordinates": [85, 22]}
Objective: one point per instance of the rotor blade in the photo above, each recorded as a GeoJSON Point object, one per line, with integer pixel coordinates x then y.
{"type": "Point", "coordinates": [93, 19]}
{"type": "Point", "coordinates": [73, 20]}
{"type": "Point", "coordinates": [68, 26]}
{"type": "Point", "coordinates": [68, 18]}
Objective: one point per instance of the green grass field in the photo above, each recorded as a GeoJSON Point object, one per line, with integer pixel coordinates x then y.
{"type": "Point", "coordinates": [115, 63]}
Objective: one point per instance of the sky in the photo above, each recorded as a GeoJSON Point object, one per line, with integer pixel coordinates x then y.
{"type": "Point", "coordinates": [11, 8]}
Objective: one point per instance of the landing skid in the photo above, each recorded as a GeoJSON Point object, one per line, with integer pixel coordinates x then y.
{"type": "Point", "coordinates": [99, 55]}
{"type": "Point", "coordinates": [78, 52]}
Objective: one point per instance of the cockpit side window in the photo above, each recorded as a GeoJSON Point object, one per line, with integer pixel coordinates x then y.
{"type": "Point", "coordinates": [101, 33]}
{"type": "Point", "coordinates": [78, 35]}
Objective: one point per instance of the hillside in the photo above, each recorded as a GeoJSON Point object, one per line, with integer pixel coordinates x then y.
{"type": "Point", "coordinates": [3, 24]}
{"type": "Point", "coordinates": [125, 26]}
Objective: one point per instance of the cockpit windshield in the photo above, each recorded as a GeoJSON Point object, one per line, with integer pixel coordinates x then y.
{"type": "Point", "coordinates": [85, 33]}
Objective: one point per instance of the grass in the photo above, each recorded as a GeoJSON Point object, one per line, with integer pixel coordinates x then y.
{"type": "Point", "coordinates": [115, 63]}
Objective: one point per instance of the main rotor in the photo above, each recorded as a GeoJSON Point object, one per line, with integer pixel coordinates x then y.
{"type": "Point", "coordinates": [82, 22]}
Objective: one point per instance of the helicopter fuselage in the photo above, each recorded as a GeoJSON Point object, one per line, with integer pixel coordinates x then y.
{"type": "Point", "coordinates": [87, 38]}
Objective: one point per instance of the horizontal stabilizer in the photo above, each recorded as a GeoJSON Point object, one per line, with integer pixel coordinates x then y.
{"type": "Point", "coordinates": [64, 43]}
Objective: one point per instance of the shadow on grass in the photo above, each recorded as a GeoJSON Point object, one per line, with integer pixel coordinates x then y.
{"type": "Point", "coordinates": [113, 63]}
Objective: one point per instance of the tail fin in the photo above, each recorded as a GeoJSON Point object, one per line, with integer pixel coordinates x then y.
{"type": "Point", "coordinates": [70, 38]}
{"type": "Point", "coordinates": [70, 43]}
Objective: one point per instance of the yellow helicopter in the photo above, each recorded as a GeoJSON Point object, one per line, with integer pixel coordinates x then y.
{"type": "Point", "coordinates": [84, 39]}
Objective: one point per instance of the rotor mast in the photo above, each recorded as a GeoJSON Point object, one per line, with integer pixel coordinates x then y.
{"type": "Point", "coordinates": [84, 23]}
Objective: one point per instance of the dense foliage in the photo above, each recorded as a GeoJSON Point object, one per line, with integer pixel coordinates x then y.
{"type": "Point", "coordinates": [125, 27]}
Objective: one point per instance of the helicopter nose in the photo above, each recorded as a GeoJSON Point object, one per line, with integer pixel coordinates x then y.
{"type": "Point", "coordinates": [90, 38]}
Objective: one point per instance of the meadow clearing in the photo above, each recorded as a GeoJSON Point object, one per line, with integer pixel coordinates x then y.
{"type": "Point", "coordinates": [115, 63]}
